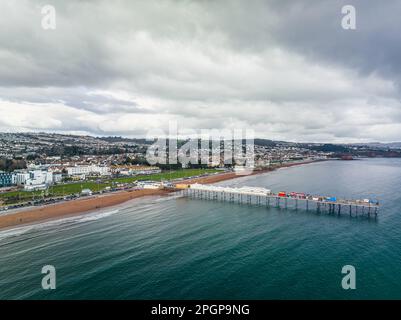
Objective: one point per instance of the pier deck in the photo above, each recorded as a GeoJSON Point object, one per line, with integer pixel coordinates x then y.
{"type": "Point", "coordinates": [262, 196]}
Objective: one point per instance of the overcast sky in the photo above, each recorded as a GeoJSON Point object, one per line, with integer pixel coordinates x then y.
{"type": "Point", "coordinates": [286, 69]}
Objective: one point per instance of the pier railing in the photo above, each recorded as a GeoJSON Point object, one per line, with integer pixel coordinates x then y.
{"type": "Point", "coordinates": [262, 196]}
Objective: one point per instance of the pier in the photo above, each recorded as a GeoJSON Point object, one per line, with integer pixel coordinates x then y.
{"type": "Point", "coordinates": [294, 200]}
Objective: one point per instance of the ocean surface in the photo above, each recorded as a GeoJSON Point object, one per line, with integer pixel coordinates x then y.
{"type": "Point", "coordinates": [178, 248]}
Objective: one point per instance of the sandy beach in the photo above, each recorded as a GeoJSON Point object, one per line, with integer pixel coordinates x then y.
{"type": "Point", "coordinates": [87, 205]}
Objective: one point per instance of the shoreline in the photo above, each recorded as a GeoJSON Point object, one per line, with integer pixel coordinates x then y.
{"type": "Point", "coordinates": [89, 205]}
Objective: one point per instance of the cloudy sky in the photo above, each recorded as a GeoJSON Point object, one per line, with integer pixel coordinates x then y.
{"type": "Point", "coordinates": [286, 69]}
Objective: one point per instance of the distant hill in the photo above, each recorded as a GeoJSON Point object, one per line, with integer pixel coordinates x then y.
{"type": "Point", "coordinates": [265, 142]}
{"type": "Point", "coordinates": [115, 139]}
{"type": "Point", "coordinates": [381, 145]}
{"type": "Point", "coordinates": [330, 148]}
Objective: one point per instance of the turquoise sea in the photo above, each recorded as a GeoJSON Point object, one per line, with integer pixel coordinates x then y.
{"type": "Point", "coordinates": [178, 248]}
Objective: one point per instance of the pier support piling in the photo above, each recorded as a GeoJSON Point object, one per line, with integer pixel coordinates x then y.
{"type": "Point", "coordinates": [215, 193]}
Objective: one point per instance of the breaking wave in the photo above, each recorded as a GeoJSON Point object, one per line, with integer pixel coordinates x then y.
{"type": "Point", "coordinates": [17, 231]}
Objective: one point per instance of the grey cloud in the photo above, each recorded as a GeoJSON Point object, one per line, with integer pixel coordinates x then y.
{"type": "Point", "coordinates": [286, 68]}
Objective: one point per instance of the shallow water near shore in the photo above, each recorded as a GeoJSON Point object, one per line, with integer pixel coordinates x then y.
{"type": "Point", "coordinates": [177, 248]}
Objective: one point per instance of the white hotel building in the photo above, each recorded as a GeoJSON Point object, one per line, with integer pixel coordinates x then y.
{"type": "Point", "coordinates": [86, 170]}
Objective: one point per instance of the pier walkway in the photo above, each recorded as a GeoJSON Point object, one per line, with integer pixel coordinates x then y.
{"type": "Point", "coordinates": [262, 196]}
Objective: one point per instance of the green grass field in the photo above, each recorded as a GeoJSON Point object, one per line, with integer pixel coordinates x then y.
{"type": "Point", "coordinates": [166, 175]}
{"type": "Point", "coordinates": [77, 187]}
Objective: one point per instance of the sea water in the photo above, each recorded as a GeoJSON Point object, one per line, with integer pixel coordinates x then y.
{"type": "Point", "coordinates": [178, 248]}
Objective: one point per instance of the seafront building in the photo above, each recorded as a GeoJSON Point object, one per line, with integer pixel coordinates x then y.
{"type": "Point", "coordinates": [6, 179]}
{"type": "Point", "coordinates": [40, 177]}
{"type": "Point", "coordinates": [30, 180]}
{"type": "Point", "coordinates": [38, 180]}
{"type": "Point", "coordinates": [20, 178]}
{"type": "Point", "coordinates": [80, 170]}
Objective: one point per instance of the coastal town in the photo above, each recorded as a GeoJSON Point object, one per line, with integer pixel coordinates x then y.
{"type": "Point", "coordinates": [42, 168]}
{"type": "Point", "coordinates": [36, 167]}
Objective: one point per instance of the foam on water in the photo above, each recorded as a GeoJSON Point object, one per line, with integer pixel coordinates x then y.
{"type": "Point", "coordinates": [17, 231]}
